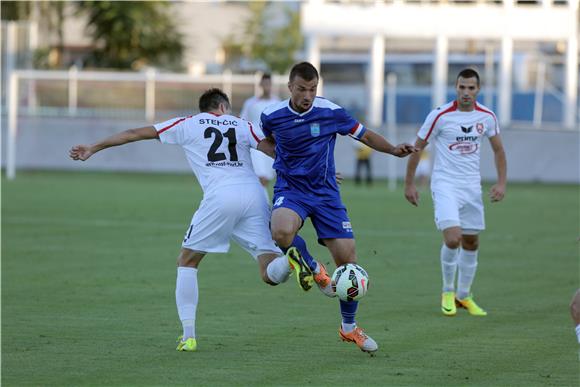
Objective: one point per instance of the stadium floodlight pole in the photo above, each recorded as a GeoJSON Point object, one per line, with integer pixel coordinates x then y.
{"type": "Point", "coordinates": [12, 115]}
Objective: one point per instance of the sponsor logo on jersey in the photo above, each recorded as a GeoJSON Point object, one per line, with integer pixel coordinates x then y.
{"type": "Point", "coordinates": [463, 148]}
{"type": "Point", "coordinates": [298, 120]}
{"type": "Point", "coordinates": [225, 164]}
{"type": "Point", "coordinates": [279, 201]}
{"type": "Point", "coordinates": [466, 138]}
{"type": "Point", "coordinates": [479, 127]}
{"type": "Point", "coordinates": [466, 130]}
{"type": "Point", "coordinates": [315, 129]}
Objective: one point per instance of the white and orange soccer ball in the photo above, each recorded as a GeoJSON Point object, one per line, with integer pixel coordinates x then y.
{"type": "Point", "coordinates": [350, 282]}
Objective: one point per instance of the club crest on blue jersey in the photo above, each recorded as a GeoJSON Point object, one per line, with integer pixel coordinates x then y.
{"type": "Point", "coordinates": [315, 129]}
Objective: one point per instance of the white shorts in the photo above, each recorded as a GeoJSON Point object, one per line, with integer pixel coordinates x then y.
{"type": "Point", "coordinates": [458, 207]}
{"type": "Point", "coordinates": [262, 164]}
{"type": "Point", "coordinates": [239, 212]}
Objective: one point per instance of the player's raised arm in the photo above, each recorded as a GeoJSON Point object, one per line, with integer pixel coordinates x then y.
{"type": "Point", "coordinates": [379, 143]}
{"type": "Point", "coordinates": [411, 193]}
{"type": "Point", "coordinates": [497, 191]}
{"type": "Point", "coordinates": [83, 152]}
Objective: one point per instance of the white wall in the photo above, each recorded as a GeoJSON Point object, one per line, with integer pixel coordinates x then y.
{"type": "Point", "coordinates": [43, 143]}
{"type": "Point", "coordinates": [532, 156]}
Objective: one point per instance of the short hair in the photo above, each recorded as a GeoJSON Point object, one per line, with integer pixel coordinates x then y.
{"type": "Point", "coordinates": [265, 76]}
{"type": "Point", "coordinates": [211, 100]}
{"type": "Point", "coordinates": [468, 73]}
{"type": "Point", "coordinates": [304, 70]}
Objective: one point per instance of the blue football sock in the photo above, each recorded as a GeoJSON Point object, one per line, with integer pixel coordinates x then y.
{"type": "Point", "coordinates": [348, 311]}
{"type": "Point", "coordinates": [300, 244]}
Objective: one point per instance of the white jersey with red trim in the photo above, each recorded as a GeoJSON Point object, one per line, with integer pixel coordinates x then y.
{"type": "Point", "coordinates": [456, 138]}
{"type": "Point", "coordinates": [217, 147]}
{"type": "Point", "coordinates": [254, 106]}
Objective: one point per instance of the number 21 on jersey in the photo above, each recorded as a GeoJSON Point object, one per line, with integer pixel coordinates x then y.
{"type": "Point", "coordinates": [218, 137]}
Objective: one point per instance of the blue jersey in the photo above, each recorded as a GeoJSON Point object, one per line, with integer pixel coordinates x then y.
{"type": "Point", "coordinates": [305, 144]}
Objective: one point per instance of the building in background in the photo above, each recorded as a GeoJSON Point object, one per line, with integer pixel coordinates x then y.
{"type": "Point", "coordinates": [526, 52]}
{"type": "Point", "coordinates": [519, 47]}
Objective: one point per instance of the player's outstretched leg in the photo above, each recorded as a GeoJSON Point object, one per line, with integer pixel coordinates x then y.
{"type": "Point", "coordinates": [349, 331]}
{"type": "Point", "coordinates": [320, 275]}
{"type": "Point", "coordinates": [186, 296]}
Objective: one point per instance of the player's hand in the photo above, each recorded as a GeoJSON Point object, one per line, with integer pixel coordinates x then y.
{"type": "Point", "coordinates": [412, 195]}
{"type": "Point", "coordinates": [80, 152]}
{"type": "Point", "coordinates": [497, 192]}
{"type": "Point", "coordinates": [339, 177]}
{"type": "Point", "coordinates": [403, 150]}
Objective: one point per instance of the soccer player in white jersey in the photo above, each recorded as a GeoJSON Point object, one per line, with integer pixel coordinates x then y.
{"type": "Point", "coordinates": [217, 146]}
{"type": "Point", "coordinates": [251, 111]}
{"type": "Point", "coordinates": [456, 130]}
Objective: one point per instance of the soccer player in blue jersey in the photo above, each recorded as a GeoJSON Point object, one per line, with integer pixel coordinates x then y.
{"type": "Point", "coordinates": [304, 128]}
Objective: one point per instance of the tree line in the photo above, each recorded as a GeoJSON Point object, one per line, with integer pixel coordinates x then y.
{"type": "Point", "coordinates": [134, 34]}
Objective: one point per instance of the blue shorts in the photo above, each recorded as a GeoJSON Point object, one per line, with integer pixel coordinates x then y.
{"type": "Point", "coordinates": [328, 215]}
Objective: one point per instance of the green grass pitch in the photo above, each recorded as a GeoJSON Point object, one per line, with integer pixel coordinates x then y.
{"type": "Point", "coordinates": [88, 276]}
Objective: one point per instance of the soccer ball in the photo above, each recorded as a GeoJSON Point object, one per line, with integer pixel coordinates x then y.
{"type": "Point", "coordinates": [350, 282]}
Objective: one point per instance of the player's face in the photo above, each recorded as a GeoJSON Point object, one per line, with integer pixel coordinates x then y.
{"type": "Point", "coordinates": [467, 90]}
{"type": "Point", "coordinates": [302, 93]}
{"type": "Point", "coordinates": [266, 85]}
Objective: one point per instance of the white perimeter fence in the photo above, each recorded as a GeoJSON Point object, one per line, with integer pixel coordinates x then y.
{"type": "Point", "coordinates": [24, 100]}
{"type": "Point", "coordinates": [38, 110]}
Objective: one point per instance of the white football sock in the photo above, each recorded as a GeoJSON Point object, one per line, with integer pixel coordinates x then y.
{"type": "Point", "coordinates": [317, 268]}
{"type": "Point", "coordinates": [186, 297]}
{"type": "Point", "coordinates": [578, 332]}
{"type": "Point", "coordinates": [279, 270]}
{"type": "Point", "coordinates": [346, 328]}
{"type": "Point", "coordinates": [448, 267]}
{"type": "Point", "coordinates": [467, 267]}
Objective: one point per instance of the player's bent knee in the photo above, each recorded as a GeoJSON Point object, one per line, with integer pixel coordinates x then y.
{"type": "Point", "coordinates": [452, 242]}
{"type": "Point", "coordinates": [189, 258]}
{"type": "Point", "coordinates": [471, 246]}
{"type": "Point", "coordinates": [283, 237]}
{"type": "Point", "coordinates": [470, 242]}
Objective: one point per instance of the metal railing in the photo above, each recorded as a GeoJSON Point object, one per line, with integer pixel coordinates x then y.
{"type": "Point", "coordinates": [149, 79]}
